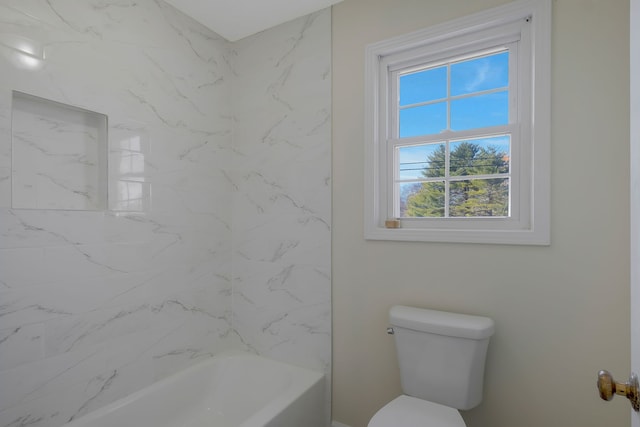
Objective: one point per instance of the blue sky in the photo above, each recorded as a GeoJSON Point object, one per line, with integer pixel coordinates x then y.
{"type": "Point", "coordinates": [423, 105]}
{"type": "Point", "coordinates": [423, 96]}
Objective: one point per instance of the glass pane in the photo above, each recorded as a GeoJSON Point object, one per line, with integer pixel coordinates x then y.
{"type": "Point", "coordinates": [420, 161]}
{"type": "Point", "coordinates": [480, 111]}
{"type": "Point", "coordinates": [422, 199]}
{"type": "Point", "coordinates": [480, 156]}
{"type": "Point", "coordinates": [425, 120]}
{"type": "Point", "coordinates": [423, 86]}
{"type": "Point", "coordinates": [475, 75]}
{"type": "Point", "coordinates": [479, 198]}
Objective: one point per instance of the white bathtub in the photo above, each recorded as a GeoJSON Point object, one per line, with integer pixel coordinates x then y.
{"type": "Point", "coordinates": [233, 390]}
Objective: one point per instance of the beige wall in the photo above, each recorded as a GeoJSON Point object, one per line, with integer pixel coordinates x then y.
{"type": "Point", "coordinates": [561, 311]}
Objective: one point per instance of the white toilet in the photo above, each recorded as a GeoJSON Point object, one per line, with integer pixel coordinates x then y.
{"type": "Point", "coordinates": [441, 357]}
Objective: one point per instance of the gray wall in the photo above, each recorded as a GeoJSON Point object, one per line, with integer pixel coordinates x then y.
{"type": "Point", "coordinates": [561, 311]}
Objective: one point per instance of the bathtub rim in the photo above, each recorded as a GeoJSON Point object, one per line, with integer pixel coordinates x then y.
{"type": "Point", "coordinates": [274, 406]}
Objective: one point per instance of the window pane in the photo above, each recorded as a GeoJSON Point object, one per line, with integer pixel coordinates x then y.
{"type": "Point", "coordinates": [480, 111]}
{"type": "Point", "coordinates": [422, 199]}
{"type": "Point", "coordinates": [485, 73]}
{"type": "Point", "coordinates": [482, 156]}
{"type": "Point", "coordinates": [424, 120]}
{"type": "Point", "coordinates": [423, 86]}
{"type": "Point", "coordinates": [479, 198]}
{"type": "Point", "coordinates": [420, 161]}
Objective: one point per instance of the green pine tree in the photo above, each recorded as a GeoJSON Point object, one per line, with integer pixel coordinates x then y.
{"type": "Point", "coordinates": [470, 197]}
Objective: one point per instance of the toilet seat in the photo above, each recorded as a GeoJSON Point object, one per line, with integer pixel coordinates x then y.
{"type": "Point", "coordinates": [407, 411]}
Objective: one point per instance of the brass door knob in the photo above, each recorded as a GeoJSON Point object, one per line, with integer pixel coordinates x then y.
{"type": "Point", "coordinates": [608, 387]}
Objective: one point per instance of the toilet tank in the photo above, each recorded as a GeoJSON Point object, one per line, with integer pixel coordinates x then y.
{"type": "Point", "coordinates": [441, 354]}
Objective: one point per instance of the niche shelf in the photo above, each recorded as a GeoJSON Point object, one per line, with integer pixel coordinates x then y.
{"type": "Point", "coordinates": [59, 155]}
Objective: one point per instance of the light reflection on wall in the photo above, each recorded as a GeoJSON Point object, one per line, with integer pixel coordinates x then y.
{"type": "Point", "coordinates": [130, 190]}
{"type": "Point", "coordinates": [24, 53]}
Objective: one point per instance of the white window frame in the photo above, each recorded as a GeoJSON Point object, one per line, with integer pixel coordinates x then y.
{"type": "Point", "coordinates": [523, 25]}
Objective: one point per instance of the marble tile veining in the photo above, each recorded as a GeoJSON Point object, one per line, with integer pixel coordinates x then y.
{"type": "Point", "coordinates": [58, 156]}
{"type": "Point", "coordinates": [215, 232]}
{"type": "Point", "coordinates": [100, 300]}
{"type": "Point", "coordinates": [282, 200]}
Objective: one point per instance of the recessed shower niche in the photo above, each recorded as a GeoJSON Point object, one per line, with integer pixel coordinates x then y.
{"type": "Point", "coordinates": [59, 155]}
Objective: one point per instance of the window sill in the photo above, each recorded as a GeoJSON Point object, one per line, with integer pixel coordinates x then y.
{"type": "Point", "coordinates": [538, 237]}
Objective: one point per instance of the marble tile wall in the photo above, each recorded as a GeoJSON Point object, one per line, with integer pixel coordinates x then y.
{"type": "Point", "coordinates": [217, 232]}
{"type": "Point", "coordinates": [98, 303]}
{"type": "Point", "coordinates": [282, 198]}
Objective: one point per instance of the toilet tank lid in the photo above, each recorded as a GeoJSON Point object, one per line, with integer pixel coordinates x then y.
{"type": "Point", "coordinates": [441, 322]}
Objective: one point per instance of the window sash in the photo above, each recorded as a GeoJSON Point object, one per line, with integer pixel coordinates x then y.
{"type": "Point", "coordinates": [396, 74]}
{"type": "Point", "coordinates": [393, 202]}
{"type": "Point", "coordinates": [394, 141]}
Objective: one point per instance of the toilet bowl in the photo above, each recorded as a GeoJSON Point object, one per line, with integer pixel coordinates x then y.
{"type": "Point", "coordinates": [407, 411]}
{"type": "Point", "coordinates": [441, 357]}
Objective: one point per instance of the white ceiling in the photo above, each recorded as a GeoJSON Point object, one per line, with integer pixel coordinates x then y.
{"type": "Point", "coordinates": [236, 19]}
